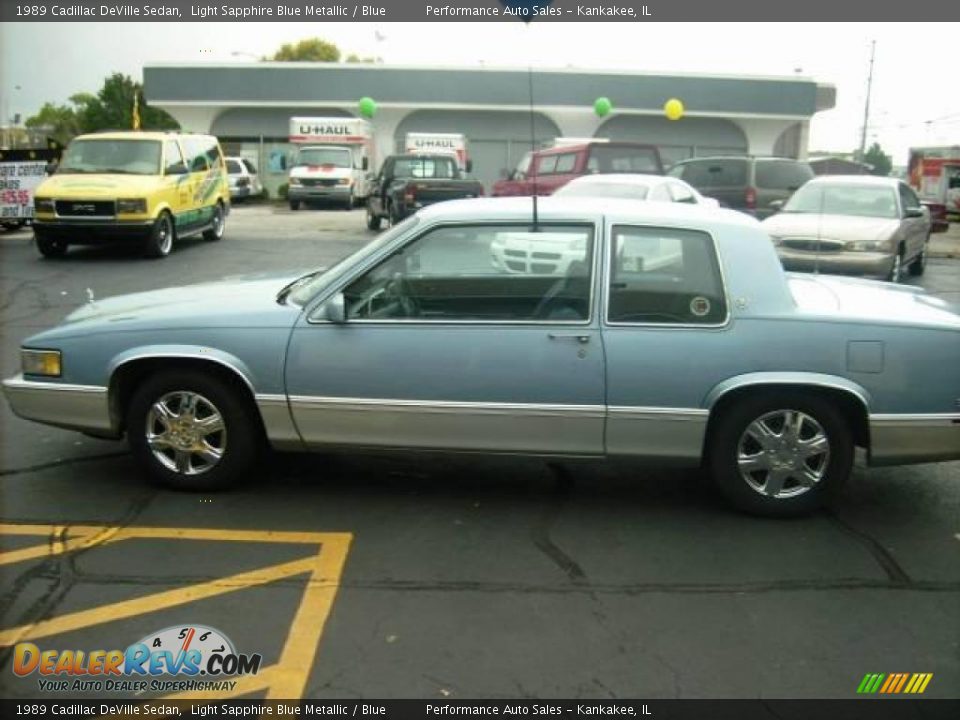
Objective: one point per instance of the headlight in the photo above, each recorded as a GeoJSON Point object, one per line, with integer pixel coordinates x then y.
{"type": "Point", "coordinates": [294, 181]}
{"type": "Point", "coordinates": [40, 362]}
{"type": "Point", "coordinates": [345, 181]}
{"type": "Point", "coordinates": [134, 207]}
{"type": "Point", "coordinates": [43, 204]}
{"type": "Point", "coordinates": [863, 245]}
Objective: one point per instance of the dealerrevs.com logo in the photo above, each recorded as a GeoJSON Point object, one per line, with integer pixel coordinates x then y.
{"type": "Point", "coordinates": [200, 657]}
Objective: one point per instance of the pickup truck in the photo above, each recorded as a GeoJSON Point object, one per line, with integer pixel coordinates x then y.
{"type": "Point", "coordinates": [407, 183]}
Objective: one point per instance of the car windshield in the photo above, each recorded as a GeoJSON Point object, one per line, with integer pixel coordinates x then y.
{"type": "Point", "coordinates": [300, 292]}
{"type": "Point", "coordinates": [618, 158]}
{"type": "Point", "coordinates": [608, 190]}
{"type": "Point", "coordinates": [425, 168]}
{"type": "Point", "coordinates": [338, 157]}
{"type": "Point", "coordinates": [128, 157]}
{"type": "Point", "coordinates": [856, 200]}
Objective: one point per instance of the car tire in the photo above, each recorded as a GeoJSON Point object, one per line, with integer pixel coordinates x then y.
{"type": "Point", "coordinates": [373, 221]}
{"type": "Point", "coordinates": [161, 238]}
{"type": "Point", "coordinates": [764, 466]}
{"type": "Point", "coordinates": [919, 263]}
{"type": "Point", "coordinates": [176, 452]}
{"type": "Point", "coordinates": [393, 214]}
{"type": "Point", "coordinates": [50, 247]}
{"type": "Point", "coordinates": [294, 205]}
{"type": "Point", "coordinates": [219, 223]}
{"type": "Point", "coordinates": [349, 204]}
{"type": "Point", "coordinates": [896, 271]}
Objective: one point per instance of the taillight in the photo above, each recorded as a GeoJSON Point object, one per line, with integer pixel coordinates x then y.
{"type": "Point", "coordinates": [750, 198]}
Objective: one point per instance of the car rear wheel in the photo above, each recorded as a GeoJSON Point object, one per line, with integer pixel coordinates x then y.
{"type": "Point", "coordinates": [219, 221]}
{"type": "Point", "coordinates": [50, 247]}
{"type": "Point", "coordinates": [192, 431]}
{"type": "Point", "coordinates": [919, 263]}
{"type": "Point", "coordinates": [294, 204]}
{"type": "Point", "coordinates": [780, 454]}
{"type": "Point", "coordinates": [160, 242]}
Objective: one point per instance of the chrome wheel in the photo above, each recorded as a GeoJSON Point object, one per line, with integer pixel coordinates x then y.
{"type": "Point", "coordinates": [185, 433]}
{"type": "Point", "coordinates": [164, 235]}
{"type": "Point", "coordinates": [896, 271]}
{"type": "Point", "coordinates": [218, 220]}
{"type": "Point", "coordinates": [783, 454]}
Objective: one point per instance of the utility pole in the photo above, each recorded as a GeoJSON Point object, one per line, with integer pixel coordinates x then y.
{"type": "Point", "coordinates": [866, 105]}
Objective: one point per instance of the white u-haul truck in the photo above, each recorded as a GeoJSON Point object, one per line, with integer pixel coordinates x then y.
{"type": "Point", "coordinates": [444, 143]}
{"type": "Point", "coordinates": [332, 161]}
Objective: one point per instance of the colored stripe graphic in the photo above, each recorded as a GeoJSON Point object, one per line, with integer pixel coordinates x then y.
{"type": "Point", "coordinates": [894, 683]}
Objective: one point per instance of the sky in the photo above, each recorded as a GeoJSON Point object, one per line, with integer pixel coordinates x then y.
{"type": "Point", "coordinates": [912, 103]}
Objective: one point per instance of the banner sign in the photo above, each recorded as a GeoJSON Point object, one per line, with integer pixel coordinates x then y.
{"type": "Point", "coordinates": [18, 180]}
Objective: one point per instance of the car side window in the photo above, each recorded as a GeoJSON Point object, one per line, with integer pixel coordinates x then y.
{"type": "Point", "coordinates": [251, 168]}
{"type": "Point", "coordinates": [908, 198]}
{"type": "Point", "coordinates": [659, 193]}
{"type": "Point", "coordinates": [664, 276]}
{"type": "Point", "coordinates": [547, 165]}
{"type": "Point", "coordinates": [481, 273]}
{"type": "Point", "coordinates": [196, 154]}
{"type": "Point", "coordinates": [173, 158]}
{"type": "Point", "coordinates": [566, 163]}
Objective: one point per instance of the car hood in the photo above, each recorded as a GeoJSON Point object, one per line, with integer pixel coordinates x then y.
{"type": "Point", "coordinates": [95, 187]}
{"type": "Point", "coordinates": [870, 300]}
{"type": "Point", "coordinates": [239, 301]}
{"type": "Point", "coordinates": [833, 227]}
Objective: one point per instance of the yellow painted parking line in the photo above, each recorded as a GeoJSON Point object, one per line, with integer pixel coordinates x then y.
{"type": "Point", "coordinates": [288, 677]}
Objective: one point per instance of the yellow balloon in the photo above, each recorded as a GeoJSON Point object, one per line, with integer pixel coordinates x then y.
{"type": "Point", "coordinates": [673, 109]}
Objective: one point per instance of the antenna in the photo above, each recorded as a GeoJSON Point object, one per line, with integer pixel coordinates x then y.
{"type": "Point", "coordinates": [533, 144]}
{"type": "Point", "coordinates": [866, 105]}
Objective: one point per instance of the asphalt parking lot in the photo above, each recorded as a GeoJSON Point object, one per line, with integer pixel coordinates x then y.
{"type": "Point", "coordinates": [438, 577]}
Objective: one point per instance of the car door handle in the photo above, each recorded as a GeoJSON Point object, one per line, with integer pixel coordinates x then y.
{"type": "Point", "coordinates": [579, 337]}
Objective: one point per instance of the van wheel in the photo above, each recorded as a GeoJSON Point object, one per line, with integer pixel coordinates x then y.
{"type": "Point", "coordinates": [160, 242]}
{"type": "Point", "coordinates": [373, 221]}
{"type": "Point", "coordinates": [50, 247]}
{"type": "Point", "coordinates": [780, 454]}
{"type": "Point", "coordinates": [219, 221]}
{"type": "Point", "coordinates": [349, 204]}
{"type": "Point", "coordinates": [192, 431]}
{"type": "Point", "coordinates": [294, 204]}
{"type": "Point", "coordinates": [919, 263]}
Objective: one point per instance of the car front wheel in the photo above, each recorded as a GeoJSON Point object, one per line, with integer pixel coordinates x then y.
{"type": "Point", "coordinates": [780, 454]}
{"type": "Point", "coordinates": [217, 225]}
{"type": "Point", "coordinates": [160, 242]}
{"type": "Point", "coordinates": [192, 431]}
{"type": "Point", "coordinates": [919, 263]}
{"type": "Point", "coordinates": [896, 270]}
{"type": "Point", "coordinates": [51, 247]}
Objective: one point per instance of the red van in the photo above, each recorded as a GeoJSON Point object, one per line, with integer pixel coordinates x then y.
{"type": "Point", "coordinates": [547, 170]}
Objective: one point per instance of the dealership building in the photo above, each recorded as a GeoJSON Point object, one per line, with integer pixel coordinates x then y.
{"type": "Point", "coordinates": [249, 105]}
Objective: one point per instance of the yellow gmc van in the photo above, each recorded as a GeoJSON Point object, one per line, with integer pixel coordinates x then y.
{"type": "Point", "coordinates": [147, 187]}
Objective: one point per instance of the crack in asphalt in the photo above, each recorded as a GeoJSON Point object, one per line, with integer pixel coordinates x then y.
{"type": "Point", "coordinates": [63, 462]}
{"type": "Point", "coordinates": [61, 569]}
{"type": "Point", "coordinates": [884, 558]}
{"type": "Point", "coordinates": [541, 531]}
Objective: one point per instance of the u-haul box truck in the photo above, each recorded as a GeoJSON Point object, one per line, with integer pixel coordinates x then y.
{"type": "Point", "coordinates": [446, 143]}
{"type": "Point", "coordinates": [333, 160]}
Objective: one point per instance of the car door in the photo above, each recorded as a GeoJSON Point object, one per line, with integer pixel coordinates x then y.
{"type": "Point", "coordinates": [915, 229]}
{"type": "Point", "coordinates": [443, 347]}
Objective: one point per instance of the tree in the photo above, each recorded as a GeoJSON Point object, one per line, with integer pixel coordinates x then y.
{"type": "Point", "coordinates": [61, 122]}
{"type": "Point", "coordinates": [112, 108]}
{"type": "Point", "coordinates": [878, 160]}
{"type": "Point", "coordinates": [308, 50]}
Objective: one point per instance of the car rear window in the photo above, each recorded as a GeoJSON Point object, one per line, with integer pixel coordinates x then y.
{"type": "Point", "coordinates": [233, 167]}
{"type": "Point", "coordinates": [620, 159]}
{"type": "Point", "coordinates": [714, 173]}
{"type": "Point", "coordinates": [782, 174]}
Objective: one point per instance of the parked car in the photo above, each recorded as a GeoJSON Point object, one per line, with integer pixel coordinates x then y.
{"type": "Point", "coordinates": [545, 171]}
{"type": "Point", "coordinates": [152, 188]}
{"type": "Point", "coordinates": [750, 184]}
{"type": "Point", "coordinates": [407, 183]}
{"type": "Point", "coordinates": [654, 188]}
{"type": "Point", "coordinates": [853, 225]}
{"type": "Point", "coordinates": [243, 179]}
{"type": "Point", "coordinates": [676, 337]}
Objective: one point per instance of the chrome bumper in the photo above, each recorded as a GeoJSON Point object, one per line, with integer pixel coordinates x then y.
{"type": "Point", "coordinates": [903, 439]}
{"type": "Point", "coordinates": [75, 407]}
{"type": "Point", "coordinates": [847, 262]}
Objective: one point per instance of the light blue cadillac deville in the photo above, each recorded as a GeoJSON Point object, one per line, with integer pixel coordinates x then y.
{"type": "Point", "coordinates": [598, 328]}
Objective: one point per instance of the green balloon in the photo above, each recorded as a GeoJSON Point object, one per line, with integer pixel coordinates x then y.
{"type": "Point", "coordinates": [368, 108]}
{"type": "Point", "coordinates": [602, 106]}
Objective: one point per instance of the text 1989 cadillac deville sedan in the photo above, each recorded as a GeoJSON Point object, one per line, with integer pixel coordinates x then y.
{"type": "Point", "coordinates": [607, 328]}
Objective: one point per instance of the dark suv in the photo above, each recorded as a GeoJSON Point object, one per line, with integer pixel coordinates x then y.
{"type": "Point", "coordinates": [750, 184]}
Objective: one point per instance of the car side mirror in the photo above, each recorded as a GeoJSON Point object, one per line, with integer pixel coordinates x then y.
{"type": "Point", "coordinates": [335, 309]}
{"type": "Point", "coordinates": [176, 169]}
{"type": "Point", "coordinates": [469, 166]}
{"type": "Point", "coordinates": [776, 205]}
{"type": "Point", "coordinates": [913, 212]}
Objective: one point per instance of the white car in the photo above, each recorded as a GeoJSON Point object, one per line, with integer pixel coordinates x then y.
{"type": "Point", "coordinates": [653, 188]}
{"type": "Point", "coordinates": [243, 179]}
{"type": "Point", "coordinates": [552, 253]}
